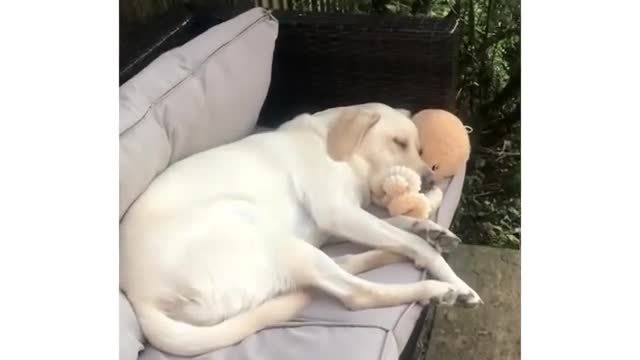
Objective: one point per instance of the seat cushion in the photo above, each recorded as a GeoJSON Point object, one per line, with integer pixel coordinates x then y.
{"type": "Point", "coordinates": [305, 342]}
{"type": "Point", "coordinates": [205, 93]}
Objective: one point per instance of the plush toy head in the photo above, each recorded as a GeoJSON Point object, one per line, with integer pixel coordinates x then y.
{"type": "Point", "coordinates": [445, 142]}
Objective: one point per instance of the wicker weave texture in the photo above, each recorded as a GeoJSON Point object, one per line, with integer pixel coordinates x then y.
{"type": "Point", "coordinates": [326, 60]}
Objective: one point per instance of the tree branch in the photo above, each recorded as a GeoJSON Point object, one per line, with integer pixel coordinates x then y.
{"type": "Point", "coordinates": [471, 48]}
{"type": "Point", "coordinates": [487, 26]}
{"type": "Point", "coordinates": [457, 8]}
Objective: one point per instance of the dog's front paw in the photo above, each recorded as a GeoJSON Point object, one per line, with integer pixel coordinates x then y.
{"type": "Point", "coordinates": [468, 299]}
{"type": "Point", "coordinates": [441, 293]}
{"type": "Point", "coordinates": [443, 240]}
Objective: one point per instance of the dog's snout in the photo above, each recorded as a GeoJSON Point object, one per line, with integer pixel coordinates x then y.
{"type": "Point", "coordinates": [425, 171]}
{"type": "Point", "coordinates": [428, 183]}
{"type": "Point", "coordinates": [428, 178]}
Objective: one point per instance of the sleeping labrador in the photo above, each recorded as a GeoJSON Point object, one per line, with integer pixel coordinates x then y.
{"type": "Point", "coordinates": [225, 242]}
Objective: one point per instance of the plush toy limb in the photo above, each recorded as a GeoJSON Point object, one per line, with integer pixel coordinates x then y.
{"type": "Point", "coordinates": [395, 185]}
{"type": "Point", "coordinates": [400, 180]}
{"type": "Point", "coordinates": [435, 197]}
{"type": "Point", "coordinates": [410, 177]}
{"type": "Point", "coordinates": [415, 205]}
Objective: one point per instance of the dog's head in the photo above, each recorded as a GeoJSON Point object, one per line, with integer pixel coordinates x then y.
{"type": "Point", "coordinates": [374, 137]}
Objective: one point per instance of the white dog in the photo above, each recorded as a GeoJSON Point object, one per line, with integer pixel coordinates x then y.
{"type": "Point", "coordinates": [223, 243]}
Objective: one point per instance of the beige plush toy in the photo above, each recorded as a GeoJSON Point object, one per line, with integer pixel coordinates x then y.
{"type": "Point", "coordinates": [445, 148]}
{"type": "Point", "coordinates": [445, 142]}
{"type": "Point", "coordinates": [403, 197]}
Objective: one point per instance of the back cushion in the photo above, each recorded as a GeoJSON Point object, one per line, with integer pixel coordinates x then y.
{"type": "Point", "coordinates": [205, 93]}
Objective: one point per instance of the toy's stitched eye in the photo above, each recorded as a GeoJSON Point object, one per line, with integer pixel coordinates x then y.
{"type": "Point", "coordinates": [401, 143]}
{"type": "Point", "coordinates": [435, 167]}
{"type": "Point", "coordinates": [420, 152]}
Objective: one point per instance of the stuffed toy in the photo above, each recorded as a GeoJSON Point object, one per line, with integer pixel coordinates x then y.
{"type": "Point", "coordinates": [402, 194]}
{"type": "Point", "coordinates": [445, 148]}
{"type": "Point", "coordinates": [402, 197]}
{"type": "Point", "coordinates": [445, 142]}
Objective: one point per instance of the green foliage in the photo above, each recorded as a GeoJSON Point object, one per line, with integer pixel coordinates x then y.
{"type": "Point", "coordinates": [489, 100]}
{"type": "Point", "coordinates": [489, 212]}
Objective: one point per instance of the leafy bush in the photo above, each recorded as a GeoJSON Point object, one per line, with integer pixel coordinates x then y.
{"type": "Point", "coordinates": [489, 100]}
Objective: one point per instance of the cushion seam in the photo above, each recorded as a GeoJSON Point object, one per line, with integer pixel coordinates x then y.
{"type": "Point", "coordinates": [294, 324]}
{"type": "Point", "coordinates": [207, 59]}
{"type": "Point", "coordinates": [386, 337]}
{"type": "Point", "coordinates": [423, 276]}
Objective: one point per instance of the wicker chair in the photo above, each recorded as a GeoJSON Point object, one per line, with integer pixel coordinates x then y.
{"type": "Point", "coordinates": [408, 63]}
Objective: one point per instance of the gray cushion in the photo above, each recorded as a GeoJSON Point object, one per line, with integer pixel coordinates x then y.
{"type": "Point", "coordinates": [307, 342]}
{"type": "Point", "coordinates": [205, 93]}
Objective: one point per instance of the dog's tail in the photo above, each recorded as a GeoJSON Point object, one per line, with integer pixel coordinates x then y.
{"type": "Point", "coordinates": [184, 339]}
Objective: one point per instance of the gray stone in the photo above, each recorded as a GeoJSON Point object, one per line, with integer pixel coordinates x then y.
{"type": "Point", "coordinates": [491, 331]}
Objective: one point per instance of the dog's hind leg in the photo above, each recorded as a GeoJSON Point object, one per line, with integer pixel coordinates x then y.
{"type": "Point", "coordinates": [314, 268]}
{"type": "Point", "coordinates": [365, 261]}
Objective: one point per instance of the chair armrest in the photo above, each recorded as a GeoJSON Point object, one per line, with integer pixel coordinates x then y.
{"type": "Point", "coordinates": [451, 200]}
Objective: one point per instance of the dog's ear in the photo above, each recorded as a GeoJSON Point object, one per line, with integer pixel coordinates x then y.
{"type": "Point", "coordinates": [348, 131]}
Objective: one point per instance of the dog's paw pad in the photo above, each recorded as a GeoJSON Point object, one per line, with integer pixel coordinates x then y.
{"type": "Point", "coordinates": [447, 296]}
{"type": "Point", "coordinates": [443, 241]}
{"type": "Point", "coordinates": [468, 300]}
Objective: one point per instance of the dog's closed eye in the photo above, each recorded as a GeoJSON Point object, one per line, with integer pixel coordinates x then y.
{"type": "Point", "coordinates": [401, 143]}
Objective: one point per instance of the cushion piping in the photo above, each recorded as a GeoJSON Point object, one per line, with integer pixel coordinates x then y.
{"type": "Point", "coordinates": [294, 324]}
{"type": "Point", "coordinates": [386, 340]}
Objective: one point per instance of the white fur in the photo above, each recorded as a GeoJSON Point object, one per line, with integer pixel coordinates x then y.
{"type": "Point", "coordinates": [208, 249]}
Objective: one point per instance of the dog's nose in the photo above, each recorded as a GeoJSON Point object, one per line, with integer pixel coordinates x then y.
{"type": "Point", "coordinates": [428, 183]}
{"type": "Point", "coordinates": [428, 179]}
{"type": "Point", "coordinates": [426, 172]}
